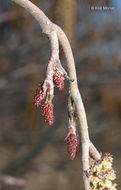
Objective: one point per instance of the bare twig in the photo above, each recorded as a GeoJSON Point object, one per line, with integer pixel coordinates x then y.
{"type": "Point", "coordinates": [51, 30]}
{"type": "Point", "coordinates": [94, 153]}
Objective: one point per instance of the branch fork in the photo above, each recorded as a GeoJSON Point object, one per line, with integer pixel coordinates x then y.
{"type": "Point", "coordinates": [46, 91]}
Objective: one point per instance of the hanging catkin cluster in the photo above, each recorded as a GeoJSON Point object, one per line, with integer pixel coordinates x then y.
{"type": "Point", "coordinates": [43, 98]}
{"type": "Point", "coordinates": [45, 92]}
{"type": "Point", "coordinates": [101, 174]}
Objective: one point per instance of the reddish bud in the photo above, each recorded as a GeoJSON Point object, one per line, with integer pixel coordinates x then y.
{"type": "Point", "coordinates": [47, 112]}
{"type": "Point", "coordinates": [58, 79]}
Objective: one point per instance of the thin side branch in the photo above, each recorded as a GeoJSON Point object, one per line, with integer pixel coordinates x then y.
{"type": "Point", "coordinates": [94, 153]}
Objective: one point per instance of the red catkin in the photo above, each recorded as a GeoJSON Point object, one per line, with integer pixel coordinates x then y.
{"type": "Point", "coordinates": [39, 96]}
{"type": "Point", "coordinates": [58, 79]}
{"type": "Point", "coordinates": [72, 143]}
{"type": "Point", "coordinates": [47, 112]}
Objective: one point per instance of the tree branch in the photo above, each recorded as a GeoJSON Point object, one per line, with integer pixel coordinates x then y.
{"type": "Point", "coordinates": [51, 30]}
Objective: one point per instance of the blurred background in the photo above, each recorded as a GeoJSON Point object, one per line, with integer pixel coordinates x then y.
{"type": "Point", "coordinates": [31, 152]}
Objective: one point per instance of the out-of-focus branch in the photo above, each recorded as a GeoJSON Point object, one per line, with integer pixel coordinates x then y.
{"type": "Point", "coordinates": [12, 181]}
{"type": "Point", "coordinates": [7, 16]}
{"type": "Point", "coordinates": [26, 159]}
{"type": "Point", "coordinates": [51, 29]}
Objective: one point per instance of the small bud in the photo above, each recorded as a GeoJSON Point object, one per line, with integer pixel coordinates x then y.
{"type": "Point", "coordinates": [58, 79]}
{"type": "Point", "coordinates": [47, 112]}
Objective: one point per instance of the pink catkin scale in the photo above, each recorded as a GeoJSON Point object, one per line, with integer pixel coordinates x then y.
{"type": "Point", "coordinates": [47, 112]}
{"type": "Point", "coordinates": [58, 79]}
